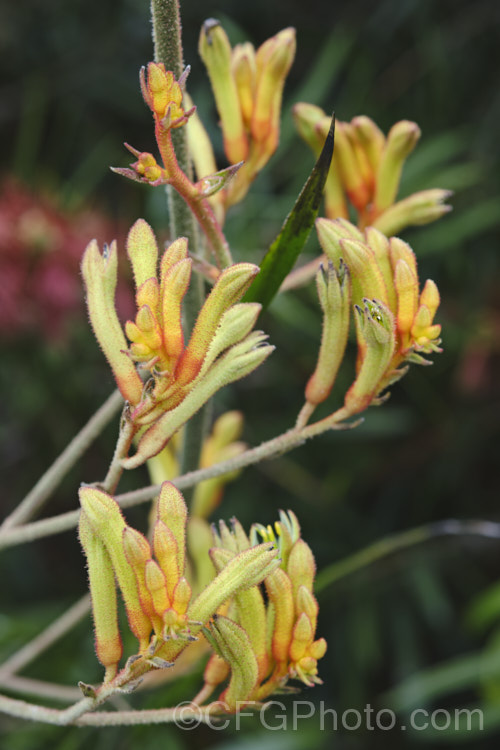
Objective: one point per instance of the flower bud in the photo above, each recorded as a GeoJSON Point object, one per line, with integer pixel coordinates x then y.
{"type": "Point", "coordinates": [330, 232]}
{"type": "Point", "coordinates": [419, 208]}
{"type": "Point", "coordinates": [157, 587]}
{"type": "Point", "coordinates": [401, 140]}
{"type": "Point", "coordinates": [138, 554]}
{"type": "Point", "coordinates": [279, 591]}
{"type": "Point", "coordinates": [163, 94]}
{"type": "Point", "coordinates": [376, 338]}
{"type": "Point", "coordinates": [354, 183]}
{"type": "Point", "coordinates": [166, 552]}
{"type": "Point", "coordinates": [234, 646]}
{"type": "Point", "coordinates": [371, 139]}
{"type": "Point", "coordinates": [215, 51]}
{"type": "Point", "coordinates": [334, 291]}
{"type": "Point", "coordinates": [246, 569]}
{"type": "Point", "coordinates": [108, 643]}
{"type": "Point", "coordinates": [301, 567]}
{"type": "Point", "coordinates": [245, 72]}
{"type": "Point", "coordinates": [406, 283]}
{"type": "Point", "coordinates": [107, 522]}
{"type": "Point", "coordinates": [100, 276]}
{"type": "Point", "coordinates": [142, 251]}
{"type": "Point", "coordinates": [274, 59]}
{"type": "Point", "coordinates": [172, 511]}
{"type": "Point", "coordinates": [367, 279]}
{"type": "Point", "coordinates": [229, 288]}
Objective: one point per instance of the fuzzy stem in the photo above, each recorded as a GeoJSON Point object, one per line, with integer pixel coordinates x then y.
{"type": "Point", "coordinates": [167, 38]}
{"type": "Point", "coordinates": [304, 415]}
{"type": "Point", "coordinates": [127, 431]}
{"type": "Point", "coordinates": [70, 455]}
{"type": "Point", "coordinates": [281, 444]}
{"type": "Point", "coordinates": [33, 712]}
{"type": "Point", "coordinates": [29, 686]}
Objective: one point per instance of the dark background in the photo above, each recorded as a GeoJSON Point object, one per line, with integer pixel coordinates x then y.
{"type": "Point", "coordinates": [412, 630]}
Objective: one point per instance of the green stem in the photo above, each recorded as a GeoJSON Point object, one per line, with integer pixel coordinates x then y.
{"type": "Point", "coordinates": [168, 50]}
{"type": "Point", "coordinates": [70, 455]}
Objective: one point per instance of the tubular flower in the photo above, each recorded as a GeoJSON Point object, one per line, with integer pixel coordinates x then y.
{"type": "Point", "coordinates": [163, 613]}
{"type": "Point", "coordinates": [266, 641]}
{"type": "Point", "coordinates": [394, 320]}
{"type": "Point", "coordinates": [366, 171]}
{"type": "Point", "coordinates": [222, 347]}
{"type": "Point", "coordinates": [248, 87]}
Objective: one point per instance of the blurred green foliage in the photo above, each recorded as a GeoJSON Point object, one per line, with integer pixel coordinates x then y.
{"type": "Point", "coordinates": [401, 632]}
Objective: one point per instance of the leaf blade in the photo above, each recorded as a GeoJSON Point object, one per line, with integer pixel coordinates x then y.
{"type": "Point", "coordinates": [286, 248]}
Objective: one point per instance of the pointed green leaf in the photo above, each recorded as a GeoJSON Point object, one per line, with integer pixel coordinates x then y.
{"type": "Point", "coordinates": [286, 248]}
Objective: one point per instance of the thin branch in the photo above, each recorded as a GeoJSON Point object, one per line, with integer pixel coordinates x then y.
{"type": "Point", "coordinates": [397, 542]}
{"type": "Point", "coordinates": [46, 638]}
{"type": "Point", "coordinates": [28, 686]}
{"type": "Point", "coordinates": [29, 711]}
{"type": "Point", "coordinates": [278, 445]}
{"type": "Point", "coordinates": [70, 455]}
{"type": "Point", "coordinates": [127, 430]}
{"type": "Point", "coordinates": [34, 712]}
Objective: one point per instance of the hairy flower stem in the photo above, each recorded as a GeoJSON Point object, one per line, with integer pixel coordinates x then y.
{"type": "Point", "coordinates": [167, 39]}
{"type": "Point", "coordinates": [33, 712]}
{"type": "Point", "coordinates": [70, 455]}
{"type": "Point", "coordinates": [184, 200]}
{"type": "Point", "coordinates": [198, 206]}
{"type": "Point", "coordinates": [280, 444]}
{"type": "Point", "coordinates": [127, 432]}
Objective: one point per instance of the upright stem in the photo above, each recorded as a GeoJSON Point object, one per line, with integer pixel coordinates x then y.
{"type": "Point", "coordinates": [167, 40]}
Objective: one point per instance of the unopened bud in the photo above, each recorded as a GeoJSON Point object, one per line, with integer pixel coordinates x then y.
{"type": "Point", "coordinates": [215, 51]}
{"type": "Point", "coordinates": [334, 292]}
{"type": "Point", "coordinates": [401, 140]}
{"type": "Point", "coordinates": [419, 208]}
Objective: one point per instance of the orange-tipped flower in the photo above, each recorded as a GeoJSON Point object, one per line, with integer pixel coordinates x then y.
{"type": "Point", "coordinates": [394, 321]}
{"type": "Point", "coordinates": [366, 171]}
{"type": "Point", "coordinates": [222, 347]}
{"type": "Point", "coordinates": [153, 581]}
{"type": "Point", "coordinates": [278, 637]}
{"type": "Point", "coordinates": [248, 87]}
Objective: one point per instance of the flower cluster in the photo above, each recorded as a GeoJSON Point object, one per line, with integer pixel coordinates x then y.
{"type": "Point", "coordinates": [259, 643]}
{"type": "Point", "coordinates": [222, 347]}
{"type": "Point", "coordinates": [394, 320]}
{"type": "Point", "coordinates": [162, 611]}
{"type": "Point", "coordinates": [366, 171]}
{"type": "Point", "coordinates": [263, 641]}
{"type": "Point", "coordinates": [248, 86]}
